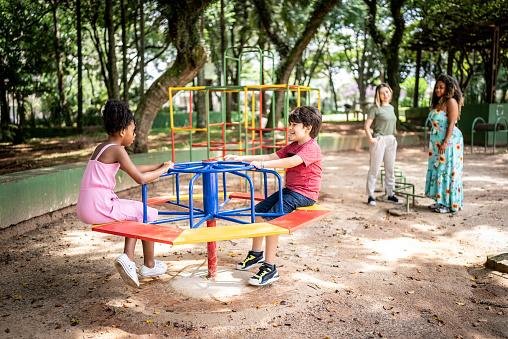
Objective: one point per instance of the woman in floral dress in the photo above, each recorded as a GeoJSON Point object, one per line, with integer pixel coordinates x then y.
{"type": "Point", "coordinates": [446, 148]}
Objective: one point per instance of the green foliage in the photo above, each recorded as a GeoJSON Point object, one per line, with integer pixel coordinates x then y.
{"type": "Point", "coordinates": [409, 87]}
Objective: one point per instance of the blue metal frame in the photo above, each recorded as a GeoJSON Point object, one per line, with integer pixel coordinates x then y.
{"type": "Point", "coordinates": [208, 171]}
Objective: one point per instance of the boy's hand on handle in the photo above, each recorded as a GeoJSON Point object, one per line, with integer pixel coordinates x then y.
{"type": "Point", "coordinates": [166, 165]}
{"type": "Point", "coordinates": [372, 141]}
{"type": "Point", "coordinates": [258, 164]}
{"type": "Point", "coordinates": [233, 157]}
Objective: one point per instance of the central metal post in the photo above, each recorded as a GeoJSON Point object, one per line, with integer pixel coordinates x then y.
{"type": "Point", "coordinates": [211, 207]}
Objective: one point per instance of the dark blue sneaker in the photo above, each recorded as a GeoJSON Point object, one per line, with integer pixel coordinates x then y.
{"type": "Point", "coordinates": [252, 259]}
{"type": "Point", "coordinates": [267, 274]}
{"type": "Point", "coordinates": [393, 199]}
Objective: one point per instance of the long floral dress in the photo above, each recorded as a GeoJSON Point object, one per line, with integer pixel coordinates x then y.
{"type": "Point", "coordinates": [444, 171]}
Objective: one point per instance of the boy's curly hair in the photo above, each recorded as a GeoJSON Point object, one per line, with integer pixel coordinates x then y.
{"type": "Point", "coordinates": [116, 116]}
{"type": "Point", "coordinates": [308, 116]}
{"type": "Point", "coordinates": [452, 90]}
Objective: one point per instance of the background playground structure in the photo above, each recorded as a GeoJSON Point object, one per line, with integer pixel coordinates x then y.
{"type": "Point", "coordinates": [244, 130]}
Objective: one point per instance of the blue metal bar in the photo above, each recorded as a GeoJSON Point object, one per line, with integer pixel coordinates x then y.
{"type": "Point", "coordinates": [191, 201]}
{"type": "Point", "coordinates": [224, 187]}
{"type": "Point", "coordinates": [177, 186]}
{"type": "Point", "coordinates": [235, 211]}
{"type": "Point", "coordinates": [265, 186]}
{"type": "Point", "coordinates": [183, 206]}
{"type": "Point", "coordinates": [180, 212]}
{"type": "Point", "coordinates": [239, 221]}
{"type": "Point", "coordinates": [251, 189]}
{"type": "Point", "coordinates": [144, 194]}
{"type": "Point", "coordinates": [186, 217]}
{"type": "Point", "coordinates": [205, 218]}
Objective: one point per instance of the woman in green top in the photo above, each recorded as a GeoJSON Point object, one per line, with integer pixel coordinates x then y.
{"type": "Point", "coordinates": [382, 143]}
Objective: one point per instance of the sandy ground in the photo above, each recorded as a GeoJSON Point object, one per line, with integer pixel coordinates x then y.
{"type": "Point", "coordinates": [359, 272]}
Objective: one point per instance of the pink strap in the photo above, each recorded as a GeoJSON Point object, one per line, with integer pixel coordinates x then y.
{"type": "Point", "coordinates": [102, 150]}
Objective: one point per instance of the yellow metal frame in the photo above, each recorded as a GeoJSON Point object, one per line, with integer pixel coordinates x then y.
{"type": "Point", "coordinates": [248, 119]}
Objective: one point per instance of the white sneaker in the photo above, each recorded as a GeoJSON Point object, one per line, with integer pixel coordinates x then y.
{"type": "Point", "coordinates": [159, 268]}
{"type": "Point", "coordinates": [127, 270]}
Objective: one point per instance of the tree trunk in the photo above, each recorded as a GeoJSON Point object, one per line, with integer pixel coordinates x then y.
{"type": "Point", "coordinates": [5, 119]}
{"type": "Point", "coordinates": [449, 63]}
{"type": "Point", "coordinates": [191, 57]}
{"type": "Point", "coordinates": [113, 90]}
{"type": "Point", "coordinates": [389, 49]}
{"type": "Point", "coordinates": [200, 95]}
{"type": "Point", "coordinates": [141, 47]}
{"type": "Point", "coordinates": [492, 67]}
{"type": "Point", "coordinates": [289, 60]}
{"type": "Point", "coordinates": [125, 94]}
{"type": "Point", "coordinates": [19, 136]}
{"type": "Point", "coordinates": [416, 94]}
{"type": "Point", "coordinates": [183, 70]}
{"type": "Point", "coordinates": [80, 66]}
{"type": "Point", "coordinates": [332, 87]}
{"type": "Point", "coordinates": [61, 111]}
{"type": "Point", "coordinates": [223, 42]}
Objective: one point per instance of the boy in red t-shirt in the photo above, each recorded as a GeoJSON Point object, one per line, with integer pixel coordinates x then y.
{"type": "Point", "coordinates": [302, 160]}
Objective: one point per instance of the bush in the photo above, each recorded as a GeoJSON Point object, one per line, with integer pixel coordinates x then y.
{"type": "Point", "coordinates": [92, 117]}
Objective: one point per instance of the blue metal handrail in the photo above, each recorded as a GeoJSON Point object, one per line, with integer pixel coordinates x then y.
{"type": "Point", "coordinates": [208, 171]}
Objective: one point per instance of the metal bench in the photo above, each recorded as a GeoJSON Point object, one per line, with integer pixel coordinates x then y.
{"type": "Point", "coordinates": [480, 125]}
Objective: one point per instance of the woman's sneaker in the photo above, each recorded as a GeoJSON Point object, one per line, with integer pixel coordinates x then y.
{"type": "Point", "coordinates": [127, 270]}
{"type": "Point", "coordinates": [371, 201]}
{"type": "Point", "coordinates": [252, 259]}
{"type": "Point", "coordinates": [434, 206]}
{"type": "Point", "coordinates": [393, 198]}
{"type": "Point", "coordinates": [266, 275]}
{"type": "Point", "coordinates": [441, 209]}
{"type": "Point", "coordinates": [158, 269]}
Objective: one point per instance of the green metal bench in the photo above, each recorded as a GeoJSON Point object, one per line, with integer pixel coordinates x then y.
{"type": "Point", "coordinates": [402, 190]}
{"type": "Point", "coordinates": [480, 125]}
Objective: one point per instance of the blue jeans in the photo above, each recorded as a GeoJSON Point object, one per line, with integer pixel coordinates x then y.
{"type": "Point", "coordinates": [290, 201]}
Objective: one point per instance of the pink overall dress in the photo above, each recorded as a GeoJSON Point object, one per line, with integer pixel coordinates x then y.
{"type": "Point", "coordinates": [97, 201]}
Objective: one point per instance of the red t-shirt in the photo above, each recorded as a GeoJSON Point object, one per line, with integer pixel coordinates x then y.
{"type": "Point", "coordinates": [306, 177]}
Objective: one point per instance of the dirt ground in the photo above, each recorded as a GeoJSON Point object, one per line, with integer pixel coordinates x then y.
{"type": "Point", "coordinates": [359, 272]}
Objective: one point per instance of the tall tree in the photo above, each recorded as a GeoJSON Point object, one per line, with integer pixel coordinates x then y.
{"type": "Point", "coordinates": [183, 31]}
{"type": "Point", "coordinates": [123, 25]}
{"type": "Point", "coordinates": [24, 55]}
{"type": "Point", "coordinates": [61, 111]}
{"type": "Point", "coordinates": [141, 47]}
{"type": "Point", "coordinates": [80, 66]}
{"type": "Point", "coordinates": [290, 54]}
{"type": "Point", "coordinates": [389, 45]}
{"type": "Point", "coordinates": [113, 90]}
{"type": "Point", "coordinates": [357, 51]}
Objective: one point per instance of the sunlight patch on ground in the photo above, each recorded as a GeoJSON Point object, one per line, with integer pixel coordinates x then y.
{"type": "Point", "coordinates": [424, 227]}
{"type": "Point", "coordinates": [487, 238]}
{"type": "Point", "coordinates": [309, 279]}
{"type": "Point", "coordinates": [367, 267]}
{"type": "Point", "coordinates": [404, 248]}
{"type": "Point", "coordinates": [80, 243]}
{"type": "Point", "coordinates": [486, 179]}
{"type": "Point", "coordinates": [448, 249]}
{"type": "Point", "coordinates": [228, 283]}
